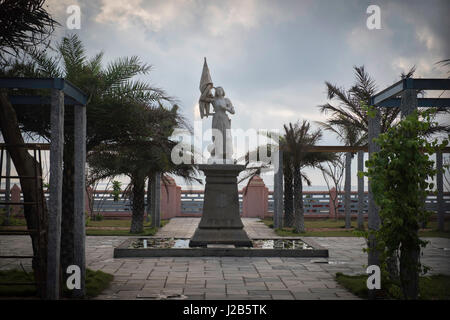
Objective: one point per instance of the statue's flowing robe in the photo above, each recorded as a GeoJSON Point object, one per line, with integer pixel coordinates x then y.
{"type": "Point", "coordinates": [222, 149]}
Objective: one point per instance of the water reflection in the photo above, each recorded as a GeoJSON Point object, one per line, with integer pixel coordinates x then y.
{"type": "Point", "coordinates": [168, 243]}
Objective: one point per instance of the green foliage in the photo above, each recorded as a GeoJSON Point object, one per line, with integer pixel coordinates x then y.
{"type": "Point", "coordinates": [355, 284]}
{"type": "Point", "coordinates": [370, 110]}
{"type": "Point", "coordinates": [25, 24]}
{"type": "Point", "coordinates": [11, 221]}
{"type": "Point", "coordinates": [399, 173]}
{"type": "Point", "coordinates": [17, 276]}
{"type": "Point", "coordinates": [116, 99]}
{"type": "Point", "coordinates": [350, 110]}
{"type": "Point", "coordinates": [436, 287]}
{"type": "Point", "coordinates": [96, 282]}
{"type": "Point", "coordinates": [116, 190]}
{"type": "Point", "coordinates": [108, 232]}
{"type": "Point", "coordinates": [98, 217]}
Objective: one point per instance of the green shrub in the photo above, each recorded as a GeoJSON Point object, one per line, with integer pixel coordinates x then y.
{"type": "Point", "coordinates": [98, 217]}
{"type": "Point", "coordinates": [436, 287]}
{"type": "Point", "coordinates": [96, 282]}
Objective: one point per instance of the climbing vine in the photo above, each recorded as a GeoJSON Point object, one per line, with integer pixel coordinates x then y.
{"type": "Point", "coordinates": [400, 173]}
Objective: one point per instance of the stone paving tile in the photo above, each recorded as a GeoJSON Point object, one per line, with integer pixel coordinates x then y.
{"type": "Point", "coordinates": [226, 277]}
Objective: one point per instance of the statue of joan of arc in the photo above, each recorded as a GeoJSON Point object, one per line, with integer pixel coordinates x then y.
{"type": "Point", "coordinates": [221, 124]}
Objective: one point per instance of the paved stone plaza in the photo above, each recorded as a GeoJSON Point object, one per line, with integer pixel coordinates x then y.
{"type": "Point", "coordinates": [227, 277]}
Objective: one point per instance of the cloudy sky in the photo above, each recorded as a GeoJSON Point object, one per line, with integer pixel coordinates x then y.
{"type": "Point", "coordinates": [271, 57]}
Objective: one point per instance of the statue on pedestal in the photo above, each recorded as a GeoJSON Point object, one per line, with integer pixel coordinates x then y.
{"type": "Point", "coordinates": [221, 222]}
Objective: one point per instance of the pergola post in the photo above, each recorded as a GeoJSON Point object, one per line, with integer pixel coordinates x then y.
{"type": "Point", "coordinates": [408, 102]}
{"type": "Point", "coordinates": [360, 191]}
{"type": "Point", "coordinates": [373, 214]}
{"type": "Point", "coordinates": [348, 189]}
{"type": "Point", "coordinates": [440, 190]}
{"type": "Point", "coordinates": [156, 197]}
{"type": "Point", "coordinates": [55, 201]}
{"type": "Point", "coordinates": [278, 191]}
{"type": "Point", "coordinates": [79, 233]}
{"type": "Point", "coordinates": [7, 186]}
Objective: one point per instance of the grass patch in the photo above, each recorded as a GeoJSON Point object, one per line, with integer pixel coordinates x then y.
{"type": "Point", "coordinates": [434, 234]}
{"type": "Point", "coordinates": [96, 282]}
{"type": "Point", "coordinates": [355, 284]}
{"type": "Point", "coordinates": [436, 287]}
{"type": "Point", "coordinates": [291, 233]}
{"type": "Point", "coordinates": [17, 276]}
{"type": "Point", "coordinates": [12, 221]}
{"type": "Point", "coordinates": [107, 232]}
{"type": "Point", "coordinates": [320, 228]}
{"type": "Point", "coordinates": [316, 224]}
{"type": "Point", "coordinates": [122, 223]}
{"type": "Point", "coordinates": [148, 231]}
{"type": "Point", "coordinates": [97, 228]}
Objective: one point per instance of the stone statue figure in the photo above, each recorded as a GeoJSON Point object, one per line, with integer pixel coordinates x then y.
{"type": "Point", "coordinates": [221, 222]}
{"type": "Point", "coordinates": [222, 147]}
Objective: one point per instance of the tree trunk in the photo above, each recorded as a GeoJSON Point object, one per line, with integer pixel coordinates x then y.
{"type": "Point", "coordinates": [360, 191]}
{"type": "Point", "coordinates": [6, 222]}
{"type": "Point", "coordinates": [409, 273]}
{"type": "Point", "coordinates": [149, 197]}
{"type": "Point", "coordinates": [299, 218]}
{"type": "Point", "coordinates": [288, 195]}
{"type": "Point", "coordinates": [347, 190]}
{"type": "Point", "coordinates": [25, 166]}
{"type": "Point", "coordinates": [138, 204]}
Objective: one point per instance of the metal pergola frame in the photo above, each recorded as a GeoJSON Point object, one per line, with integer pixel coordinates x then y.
{"type": "Point", "coordinates": [72, 94]}
{"type": "Point", "coordinates": [403, 95]}
{"type": "Point", "coordinates": [62, 93]}
{"type": "Point", "coordinates": [388, 97]}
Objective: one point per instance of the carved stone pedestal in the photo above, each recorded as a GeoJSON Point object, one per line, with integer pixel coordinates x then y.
{"type": "Point", "coordinates": [221, 222]}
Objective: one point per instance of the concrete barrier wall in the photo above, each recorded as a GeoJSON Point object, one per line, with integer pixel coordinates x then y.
{"type": "Point", "coordinates": [255, 201]}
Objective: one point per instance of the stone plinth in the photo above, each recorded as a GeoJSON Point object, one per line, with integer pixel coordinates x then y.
{"type": "Point", "coordinates": [221, 222]}
{"type": "Point", "coordinates": [170, 198]}
{"type": "Point", "coordinates": [255, 199]}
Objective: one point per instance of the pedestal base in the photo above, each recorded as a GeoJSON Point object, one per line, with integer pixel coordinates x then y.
{"type": "Point", "coordinates": [221, 222]}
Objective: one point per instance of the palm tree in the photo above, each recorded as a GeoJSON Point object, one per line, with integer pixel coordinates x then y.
{"type": "Point", "coordinates": [114, 103]}
{"type": "Point", "coordinates": [288, 190]}
{"type": "Point", "coordinates": [140, 158]}
{"type": "Point", "coordinates": [348, 118]}
{"type": "Point", "coordinates": [350, 136]}
{"type": "Point", "coordinates": [25, 24]}
{"type": "Point", "coordinates": [298, 138]}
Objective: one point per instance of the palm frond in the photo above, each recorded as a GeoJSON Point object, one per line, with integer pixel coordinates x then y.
{"type": "Point", "coordinates": [123, 69]}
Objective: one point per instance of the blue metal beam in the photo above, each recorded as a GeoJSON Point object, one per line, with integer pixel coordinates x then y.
{"type": "Point", "coordinates": [74, 92]}
{"type": "Point", "coordinates": [387, 93]}
{"type": "Point", "coordinates": [410, 83]}
{"type": "Point", "coordinates": [422, 103]}
{"type": "Point", "coordinates": [30, 83]}
{"type": "Point", "coordinates": [46, 83]}
{"type": "Point", "coordinates": [429, 84]}
{"type": "Point", "coordinates": [20, 100]}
